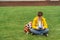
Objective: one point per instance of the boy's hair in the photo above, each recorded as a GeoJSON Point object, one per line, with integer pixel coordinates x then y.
{"type": "Point", "coordinates": [40, 13]}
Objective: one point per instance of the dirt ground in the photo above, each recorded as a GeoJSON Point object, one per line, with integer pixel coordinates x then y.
{"type": "Point", "coordinates": [29, 3]}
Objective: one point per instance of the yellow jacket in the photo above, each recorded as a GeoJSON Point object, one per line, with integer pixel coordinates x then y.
{"type": "Point", "coordinates": [35, 23]}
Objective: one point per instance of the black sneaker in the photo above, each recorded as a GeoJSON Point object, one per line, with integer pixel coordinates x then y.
{"type": "Point", "coordinates": [45, 34]}
{"type": "Point", "coordinates": [33, 34]}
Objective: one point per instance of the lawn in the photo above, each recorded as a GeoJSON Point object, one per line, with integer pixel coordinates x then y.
{"type": "Point", "coordinates": [13, 19]}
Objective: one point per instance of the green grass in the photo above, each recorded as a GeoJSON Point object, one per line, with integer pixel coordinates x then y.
{"type": "Point", "coordinates": [13, 19]}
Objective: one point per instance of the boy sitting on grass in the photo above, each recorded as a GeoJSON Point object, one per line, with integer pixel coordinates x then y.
{"type": "Point", "coordinates": [39, 25]}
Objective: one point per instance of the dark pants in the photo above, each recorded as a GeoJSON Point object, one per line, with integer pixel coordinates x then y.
{"type": "Point", "coordinates": [39, 32]}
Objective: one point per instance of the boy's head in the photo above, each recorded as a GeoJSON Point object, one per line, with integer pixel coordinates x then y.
{"type": "Point", "coordinates": [40, 14]}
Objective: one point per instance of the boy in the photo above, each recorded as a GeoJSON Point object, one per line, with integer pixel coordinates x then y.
{"type": "Point", "coordinates": [39, 25]}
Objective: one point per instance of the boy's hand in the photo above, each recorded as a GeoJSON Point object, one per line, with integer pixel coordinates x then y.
{"type": "Point", "coordinates": [43, 28]}
{"type": "Point", "coordinates": [38, 28]}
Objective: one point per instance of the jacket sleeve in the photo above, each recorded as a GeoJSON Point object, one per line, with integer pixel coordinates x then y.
{"type": "Point", "coordinates": [34, 26]}
{"type": "Point", "coordinates": [44, 23]}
